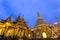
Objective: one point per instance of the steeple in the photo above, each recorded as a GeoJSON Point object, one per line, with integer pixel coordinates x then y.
{"type": "Point", "coordinates": [23, 18]}
{"type": "Point", "coordinates": [18, 19]}
{"type": "Point", "coordinates": [39, 17]}
{"type": "Point", "coordinates": [57, 20]}
{"type": "Point", "coordinates": [8, 19]}
{"type": "Point", "coordinates": [40, 20]}
{"type": "Point", "coordinates": [24, 23]}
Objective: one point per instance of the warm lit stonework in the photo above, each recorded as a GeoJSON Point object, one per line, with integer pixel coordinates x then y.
{"type": "Point", "coordinates": [19, 28]}
{"type": "Point", "coordinates": [45, 30]}
{"type": "Point", "coordinates": [16, 28]}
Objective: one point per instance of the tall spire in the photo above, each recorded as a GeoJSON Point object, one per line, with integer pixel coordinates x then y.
{"type": "Point", "coordinates": [57, 19]}
{"type": "Point", "coordinates": [40, 20]}
{"type": "Point", "coordinates": [8, 19]}
{"type": "Point", "coordinates": [39, 15]}
{"type": "Point", "coordinates": [22, 18]}
{"type": "Point", "coordinates": [18, 19]}
{"type": "Point", "coordinates": [24, 23]}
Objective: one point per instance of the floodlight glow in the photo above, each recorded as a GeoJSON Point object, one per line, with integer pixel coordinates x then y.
{"type": "Point", "coordinates": [44, 35]}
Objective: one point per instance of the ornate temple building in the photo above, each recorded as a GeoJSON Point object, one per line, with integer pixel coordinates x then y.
{"type": "Point", "coordinates": [41, 28]}
{"type": "Point", "coordinates": [16, 28]}
{"type": "Point", "coordinates": [45, 30]}
{"type": "Point", "coordinates": [20, 29]}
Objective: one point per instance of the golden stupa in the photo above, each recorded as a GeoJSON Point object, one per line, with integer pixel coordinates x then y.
{"type": "Point", "coordinates": [45, 30]}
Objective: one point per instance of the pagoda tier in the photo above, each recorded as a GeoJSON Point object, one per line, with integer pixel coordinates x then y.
{"type": "Point", "coordinates": [39, 20]}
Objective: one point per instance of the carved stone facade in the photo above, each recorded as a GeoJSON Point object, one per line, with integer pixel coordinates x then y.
{"type": "Point", "coordinates": [16, 28]}
{"type": "Point", "coordinates": [19, 28]}
{"type": "Point", "coordinates": [44, 29]}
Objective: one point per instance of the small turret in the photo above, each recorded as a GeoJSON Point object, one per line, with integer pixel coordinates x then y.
{"type": "Point", "coordinates": [8, 19]}
{"type": "Point", "coordinates": [17, 20]}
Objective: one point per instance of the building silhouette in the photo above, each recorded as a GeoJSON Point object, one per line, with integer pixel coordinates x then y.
{"type": "Point", "coordinates": [20, 29]}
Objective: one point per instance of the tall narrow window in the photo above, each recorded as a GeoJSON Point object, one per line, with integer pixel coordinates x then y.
{"type": "Point", "coordinates": [44, 35]}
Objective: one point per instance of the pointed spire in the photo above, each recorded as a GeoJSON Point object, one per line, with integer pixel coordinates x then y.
{"type": "Point", "coordinates": [57, 19]}
{"type": "Point", "coordinates": [8, 19]}
{"type": "Point", "coordinates": [24, 23]}
{"type": "Point", "coordinates": [39, 15]}
{"type": "Point", "coordinates": [22, 18]}
{"type": "Point", "coordinates": [18, 19]}
{"type": "Point", "coordinates": [39, 20]}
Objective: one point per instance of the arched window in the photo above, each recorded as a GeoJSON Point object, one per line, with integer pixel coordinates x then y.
{"type": "Point", "coordinates": [44, 35]}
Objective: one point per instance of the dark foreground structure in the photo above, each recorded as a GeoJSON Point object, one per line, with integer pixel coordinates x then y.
{"type": "Point", "coordinates": [15, 38]}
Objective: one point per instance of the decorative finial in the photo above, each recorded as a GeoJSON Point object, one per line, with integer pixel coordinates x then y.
{"type": "Point", "coordinates": [23, 17]}
{"type": "Point", "coordinates": [39, 15]}
{"type": "Point", "coordinates": [8, 19]}
{"type": "Point", "coordinates": [56, 19]}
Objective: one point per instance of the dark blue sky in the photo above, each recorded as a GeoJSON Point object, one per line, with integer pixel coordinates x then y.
{"type": "Point", "coordinates": [48, 10]}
